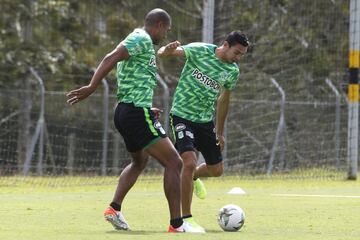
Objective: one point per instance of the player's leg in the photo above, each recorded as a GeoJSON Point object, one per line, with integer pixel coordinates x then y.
{"type": "Point", "coordinates": [130, 174]}
{"type": "Point", "coordinates": [205, 170]}
{"type": "Point", "coordinates": [123, 119]}
{"type": "Point", "coordinates": [142, 131]}
{"type": "Point", "coordinates": [207, 144]}
{"type": "Point", "coordinates": [189, 160]}
{"type": "Point", "coordinates": [164, 151]}
{"type": "Point", "coordinates": [184, 135]}
{"type": "Point", "coordinates": [185, 144]}
{"type": "Point", "coordinates": [157, 144]}
{"type": "Point", "coordinates": [127, 180]}
{"type": "Point", "coordinates": [187, 185]}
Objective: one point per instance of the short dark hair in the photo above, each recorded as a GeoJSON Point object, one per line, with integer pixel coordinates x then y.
{"type": "Point", "coordinates": [157, 15]}
{"type": "Point", "coordinates": [236, 37]}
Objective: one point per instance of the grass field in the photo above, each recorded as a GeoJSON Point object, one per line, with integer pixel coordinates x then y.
{"type": "Point", "coordinates": [276, 208]}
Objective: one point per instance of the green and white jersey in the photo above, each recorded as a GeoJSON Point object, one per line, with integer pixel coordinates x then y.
{"type": "Point", "coordinates": [201, 81]}
{"type": "Point", "coordinates": [136, 76]}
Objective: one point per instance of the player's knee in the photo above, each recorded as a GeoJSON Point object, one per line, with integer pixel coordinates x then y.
{"type": "Point", "coordinates": [189, 165]}
{"type": "Point", "coordinates": [189, 160]}
{"type": "Point", "coordinates": [177, 163]}
{"type": "Point", "coordinates": [139, 165]}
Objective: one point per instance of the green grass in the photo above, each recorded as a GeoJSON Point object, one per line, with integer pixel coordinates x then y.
{"type": "Point", "coordinates": [71, 208]}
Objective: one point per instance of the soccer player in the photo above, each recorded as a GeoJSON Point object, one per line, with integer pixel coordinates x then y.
{"type": "Point", "coordinates": [142, 132]}
{"type": "Point", "coordinates": [209, 71]}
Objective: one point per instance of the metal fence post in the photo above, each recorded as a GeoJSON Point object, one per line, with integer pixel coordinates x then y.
{"type": "Point", "coordinates": [337, 121]}
{"type": "Point", "coordinates": [105, 127]}
{"type": "Point", "coordinates": [280, 127]}
{"type": "Point", "coordinates": [166, 98]}
{"type": "Point", "coordinates": [71, 154]}
{"type": "Point", "coordinates": [39, 130]}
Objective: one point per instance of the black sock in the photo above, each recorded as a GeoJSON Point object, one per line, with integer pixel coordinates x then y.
{"type": "Point", "coordinates": [194, 179]}
{"type": "Point", "coordinates": [115, 206]}
{"type": "Point", "coordinates": [176, 222]}
{"type": "Point", "coordinates": [187, 216]}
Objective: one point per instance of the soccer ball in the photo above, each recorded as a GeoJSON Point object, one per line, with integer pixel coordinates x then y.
{"type": "Point", "coordinates": [231, 218]}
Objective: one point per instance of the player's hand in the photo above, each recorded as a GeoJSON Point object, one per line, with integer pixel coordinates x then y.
{"type": "Point", "coordinates": [221, 142]}
{"type": "Point", "coordinates": [79, 94]}
{"type": "Point", "coordinates": [170, 47]}
{"type": "Point", "coordinates": [156, 111]}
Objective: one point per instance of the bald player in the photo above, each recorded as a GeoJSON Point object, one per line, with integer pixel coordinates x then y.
{"type": "Point", "coordinates": [136, 122]}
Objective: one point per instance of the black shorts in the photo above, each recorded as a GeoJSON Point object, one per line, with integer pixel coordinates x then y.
{"type": "Point", "coordinates": [191, 136]}
{"type": "Point", "coordinates": [138, 126]}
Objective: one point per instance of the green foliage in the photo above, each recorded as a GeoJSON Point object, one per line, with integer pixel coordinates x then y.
{"type": "Point", "coordinates": [65, 39]}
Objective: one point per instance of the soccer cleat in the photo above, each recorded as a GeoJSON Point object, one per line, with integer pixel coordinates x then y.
{"type": "Point", "coordinates": [193, 224]}
{"type": "Point", "coordinates": [175, 230]}
{"type": "Point", "coordinates": [116, 219]}
{"type": "Point", "coordinates": [184, 228]}
{"type": "Point", "coordinates": [199, 189]}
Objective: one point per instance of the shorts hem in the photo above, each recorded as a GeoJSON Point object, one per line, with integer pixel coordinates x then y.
{"type": "Point", "coordinates": [211, 164]}
{"type": "Point", "coordinates": [152, 142]}
{"type": "Point", "coordinates": [189, 149]}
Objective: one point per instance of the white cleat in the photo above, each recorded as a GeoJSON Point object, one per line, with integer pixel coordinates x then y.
{"type": "Point", "coordinates": [185, 228]}
{"type": "Point", "coordinates": [116, 219]}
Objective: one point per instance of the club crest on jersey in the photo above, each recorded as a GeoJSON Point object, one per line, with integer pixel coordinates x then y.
{"type": "Point", "coordinates": [157, 125]}
{"type": "Point", "coordinates": [152, 61]}
{"type": "Point", "coordinates": [224, 75]}
{"type": "Point", "coordinates": [179, 127]}
{"type": "Point", "coordinates": [137, 49]}
{"type": "Point", "coordinates": [204, 79]}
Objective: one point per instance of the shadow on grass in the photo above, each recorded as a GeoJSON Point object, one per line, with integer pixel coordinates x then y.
{"type": "Point", "coordinates": [214, 231]}
{"type": "Point", "coordinates": [147, 232]}
{"type": "Point", "coordinates": [136, 232]}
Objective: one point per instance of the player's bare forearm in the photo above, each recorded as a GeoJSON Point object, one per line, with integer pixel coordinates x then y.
{"type": "Point", "coordinates": [221, 113]}
{"type": "Point", "coordinates": [222, 110]}
{"type": "Point", "coordinates": [172, 49]}
{"type": "Point", "coordinates": [79, 94]}
{"type": "Point", "coordinates": [109, 61]}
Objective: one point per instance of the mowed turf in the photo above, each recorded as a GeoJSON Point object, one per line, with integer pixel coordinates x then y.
{"type": "Point", "coordinates": [275, 208]}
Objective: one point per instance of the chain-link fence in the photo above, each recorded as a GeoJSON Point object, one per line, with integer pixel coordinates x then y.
{"type": "Point", "coordinates": [263, 136]}
{"type": "Point", "coordinates": [283, 116]}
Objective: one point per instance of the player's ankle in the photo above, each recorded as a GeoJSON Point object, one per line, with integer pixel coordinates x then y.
{"type": "Point", "coordinates": [176, 222]}
{"type": "Point", "coordinates": [115, 206]}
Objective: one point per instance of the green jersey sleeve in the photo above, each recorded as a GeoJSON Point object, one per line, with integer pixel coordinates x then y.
{"type": "Point", "coordinates": [232, 79]}
{"type": "Point", "coordinates": [135, 44]}
{"type": "Point", "coordinates": [193, 49]}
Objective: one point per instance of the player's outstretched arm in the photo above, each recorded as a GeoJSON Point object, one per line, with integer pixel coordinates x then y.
{"type": "Point", "coordinates": [172, 49]}
{"type": "Point", "coordinates": [109, 61]}
{"type": "Point", "coordinates": [221, 113]}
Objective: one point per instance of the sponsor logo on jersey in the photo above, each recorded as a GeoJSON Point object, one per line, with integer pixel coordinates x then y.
{"type": "Point", "coordinates": [152, 61]}
{"type": "Point", "coordinates": [179, 127]}
{"type": "Point", "coordinates": [204, 79]}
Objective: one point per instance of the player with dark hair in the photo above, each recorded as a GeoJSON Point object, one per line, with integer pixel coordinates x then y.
{"type": "Point", "coordinates": [209, 71]}
{"type": "Point", "coordinates": [142, 132]}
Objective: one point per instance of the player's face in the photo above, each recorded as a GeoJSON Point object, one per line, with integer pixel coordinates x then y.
{"type": "Point", "coordinates": [235, 52]}
{"type": "Point", "coordinates": [162, 32]}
